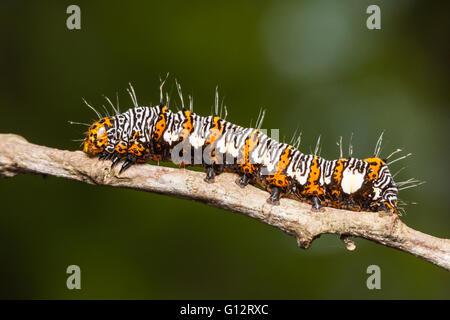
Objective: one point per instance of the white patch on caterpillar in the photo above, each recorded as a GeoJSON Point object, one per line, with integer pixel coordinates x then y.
{"type": "Point", "coordinates": [221, 145]}
{"type": "Point", "coordinates": [167, 137]}
{"type": "Point", "coordinates": [101, 131]}
{"type": "Point", "coordinates": [302, 179]}
{"type": "Point", "coordinates": [290, 173]}
{"type": "Point", "coordinates": [175, 136]}
{"type": "Point", "coordinates": [266, 159]}
{"type": "Point", "coordinates": [271, 167]}
{"type": "Point", "coordinates": [170, 137]}
{"type": "Point", "coordinates": [377, 193]}
{"type": "Point", "coordinates": [304, 165]}
{"type": "Point", "coordinates": [351, 180]}
{"type": "Point", "coordinates": [321, 176]}
{"type": "Point", "coordinates": [255, 156]}
{"type": "Point", "coordinates": [232, 150]}
{"type": "Point", "coordinates": [196, 141]}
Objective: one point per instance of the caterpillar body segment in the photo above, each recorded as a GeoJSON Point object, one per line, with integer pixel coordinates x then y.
{"type": "Point", "coordinates": [156, 133]}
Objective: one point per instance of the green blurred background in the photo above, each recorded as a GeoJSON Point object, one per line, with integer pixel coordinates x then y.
{"type": "Point", "coordinates": [312, 64]}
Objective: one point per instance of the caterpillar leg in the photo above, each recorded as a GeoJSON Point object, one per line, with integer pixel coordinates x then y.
{"type": "Point", "coordinates": [128, 163]}
{"type": "Point", "coordinates": [317, 204]}
{"type": "Point", "coordinates": [135, 155]}
{"type": "Point", "coordinates": [210, 174]}
{"type": "Point", "coordinates": [242, 181]}
{"type": "Point", "coordinates": [120, 151]}
{"type": "Point", "coordinates": [275, 194]}
{"type": "Point", "coordinates": [114, 156]}
{"type": "Point", "coordinates": [115, 159]}
{"type": "Point", "coordinates": [133, 159]}
{"type": "Point", "coordinates": [138, 152]}
{"type": "Point", "coordinates": [212, 171]}
{"type": "Point", "coordinates": [219, 168]}
{"type": "Point", "coordinates": [105, 155]}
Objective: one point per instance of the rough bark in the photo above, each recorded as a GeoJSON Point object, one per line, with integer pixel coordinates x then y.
{"type": "Point", "coordinates": [293, 217]}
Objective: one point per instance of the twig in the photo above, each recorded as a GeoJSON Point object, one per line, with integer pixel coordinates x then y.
{"type": "Point", "coordinates": [293, 217]}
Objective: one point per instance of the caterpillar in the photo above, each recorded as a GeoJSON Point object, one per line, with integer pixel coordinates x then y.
{"type": "Point", "coordinates": [156, 133]}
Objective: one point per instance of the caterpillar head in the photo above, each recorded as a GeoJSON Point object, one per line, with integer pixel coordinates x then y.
{"type": "Point", "coordinates": [384, 188]}
{"type": "Point", "coordinates": [97, 136]}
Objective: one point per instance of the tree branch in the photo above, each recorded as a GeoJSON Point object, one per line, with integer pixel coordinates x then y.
{"type": "Point", "coordinates": [293, 217]}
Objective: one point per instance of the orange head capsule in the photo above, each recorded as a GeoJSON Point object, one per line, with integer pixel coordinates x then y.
{"type": "Point", "coordinates": [96, 138]}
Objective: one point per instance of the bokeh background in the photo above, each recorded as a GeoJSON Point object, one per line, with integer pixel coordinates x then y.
{"type": "Point", "coordinates": [311, 64]}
